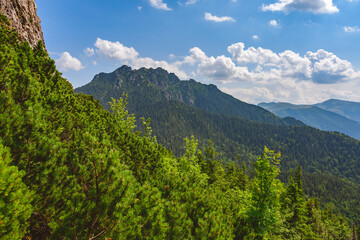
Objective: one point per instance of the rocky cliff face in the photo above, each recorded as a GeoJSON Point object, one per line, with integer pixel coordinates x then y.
{"type": "Point", "coordinates": [22, 16]}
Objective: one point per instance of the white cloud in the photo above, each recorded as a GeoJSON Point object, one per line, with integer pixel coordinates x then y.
{"type": "Point", "coordinates": [189, 2]}
{"type": "Point", "coordinates": [210, 17]}
{"type": "Point", "coordinates": [352, 29]}
{"type": "Point", "coordinates": [89, 52]}
{"type": "Point", "coordinates": [158, 4]}
{"type": "Point", "coordinates": [115, 50]}
{"type": "Point", "coordinates": [253, 55]}
{"type": "Point", "coordinates": [320, 66]}
{"type": "Point", "coordinates": [94, 63]}
{"type": "Point", "coordinates": [129, 56]}
{"type": "Point", "coordinates": [273, 23]}
{"type": "Point", "coordinates": [66, 62]}
{"type": "Point", "coordinates": [284, 76]}
{"type": "Point", "coordinates": [139, 8]}
{"type": "Point", "coordinates": [315, 6]}
{"type": "Point", "coordinates": [256, 74]}
{"type": "Point", "coordinates": [255, 37]}
{"type": "Point", "coordinates": [196, 56]}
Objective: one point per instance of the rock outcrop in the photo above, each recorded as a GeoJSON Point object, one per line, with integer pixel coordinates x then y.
{"type": "Point", "coordinates": [22, 16]}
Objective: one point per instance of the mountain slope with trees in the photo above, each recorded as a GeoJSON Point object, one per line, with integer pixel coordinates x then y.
{"type": "Point", "coordinates": [72, 170]}
{"type": "Point", "coordinates": [236, 138]}
{"type": "Point", "coordinates": [173, 119]}
{"type": "Point", "coordinates": [157, 84]}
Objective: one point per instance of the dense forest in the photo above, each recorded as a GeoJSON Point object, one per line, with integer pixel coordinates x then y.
{"type": "Point", "coordinates": [72, 170]}
{"type": "Point", "coordinates": [179, 109]}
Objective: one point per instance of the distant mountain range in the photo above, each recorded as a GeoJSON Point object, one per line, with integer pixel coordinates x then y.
{"type": "Point", "coordinates": [347, 109]}
{"type": "Point", "coordinates": [179, 109]}
{"type": "Point", "coordinates": [239, 130]}
{"type": "Point", "coordinates": [331, 115]}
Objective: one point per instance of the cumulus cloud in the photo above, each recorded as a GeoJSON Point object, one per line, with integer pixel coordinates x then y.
{"type": "Point", "coordinates": [115, 50]}
{"type": "Point", "coordinates": [158, 4]}
{"type": "Point", "coordinates": [320, 66]}
{"type": "Point", "coordinates": [315, 6]}
{"type": "Point", "coordinates": [129, 56]}
{"type": "Point", "coordinates": [273, 23]}
{"type": "Point", "coordinates": [263, 66]}
{"type": "Point", "coordinates": [255, 74]}
{"type": "Point", "coordinates": [255, 37]}
{"type": "Point", "coordinates": [349, 29]}
{"type": "Point", "coordinates": [89, 52]}
{"type": "Point", "coordinates": [66, 62]}
{"type": "Point", "coordinates": [210, 17]}
{"type": "Point", "coordinates": [284, 76]}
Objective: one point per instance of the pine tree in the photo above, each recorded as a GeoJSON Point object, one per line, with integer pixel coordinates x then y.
{"type": "Point", "coordinates": [265, 190]}
{"type": "Point", "coordinates": [15, 199]}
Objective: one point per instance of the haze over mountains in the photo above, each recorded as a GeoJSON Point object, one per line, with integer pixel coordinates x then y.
{"type": "Point", "coordinates": [331, 115]}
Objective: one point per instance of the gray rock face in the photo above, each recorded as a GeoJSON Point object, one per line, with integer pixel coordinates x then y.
{"type": "Point", "coordinates": [22, 16]}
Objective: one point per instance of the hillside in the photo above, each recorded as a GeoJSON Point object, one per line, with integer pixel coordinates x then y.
{"type": "Point", "coordinates": [316, 117]}
{"type": "Point", "coordinates": [174, 119]}
{"type": "Point", "coordinates": [236, 138]}
{"type": "Point", "coordinates": [157, 85]}
{"type": "Point", "coordinates": [72, 170]}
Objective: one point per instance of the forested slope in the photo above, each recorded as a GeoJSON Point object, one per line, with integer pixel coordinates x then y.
{"type": "Point", "coordinates": [72, 170]}
{"type": "Point", "coordinates": [172, 119]}
{"type": "Point", "coordinates": [153, 85]}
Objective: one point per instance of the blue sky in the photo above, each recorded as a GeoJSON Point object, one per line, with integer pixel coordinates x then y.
{"type": "Point", "coordinates": [298, 51]}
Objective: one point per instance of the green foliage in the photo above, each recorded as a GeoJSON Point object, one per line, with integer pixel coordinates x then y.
{"type": "Point", "coordinates": [15, 199]}
{"type": "Point", "coordinates": [121, 115]}
{"type": "Point", "coordinates": [180, 109]}
{"type": "Point", "coordinates": [72, 170]}
{"type": "Point", "coordinates": [266, 190]}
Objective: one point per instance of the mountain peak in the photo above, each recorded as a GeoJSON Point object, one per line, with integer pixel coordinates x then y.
{"type": "Point", "coordinates": [124, 68]}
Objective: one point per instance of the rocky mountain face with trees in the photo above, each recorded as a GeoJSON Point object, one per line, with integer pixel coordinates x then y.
{"type": "Point", "coordinates": [23, 17]}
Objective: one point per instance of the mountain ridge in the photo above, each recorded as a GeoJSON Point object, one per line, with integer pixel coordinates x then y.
{"type": "Point", "coordinates": [168, 86]}
{"type": "Point", "coordinates": [347, 109]}
{"type": "Point", "coordinates": [172, 119]}
{"type": "Point", "coordinates": [316, 116]}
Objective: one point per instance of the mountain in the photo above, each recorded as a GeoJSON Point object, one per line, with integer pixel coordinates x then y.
{"type": "Point", "coordinates": [348, 109]}
{"type": "Point", "coordinates": [156, 94]}
{"type": "Point", "coordinates": [72, 170]}
{"type": "Point", "coordinates": [158, 85]}
{"type": "Point", "coordinates": [317, 117]}
{"type": "Point", "coordinates": [179, 109]}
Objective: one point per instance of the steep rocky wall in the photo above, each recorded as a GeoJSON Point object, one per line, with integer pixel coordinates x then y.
{"type": "Point", "coordinates": [22, 16]}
